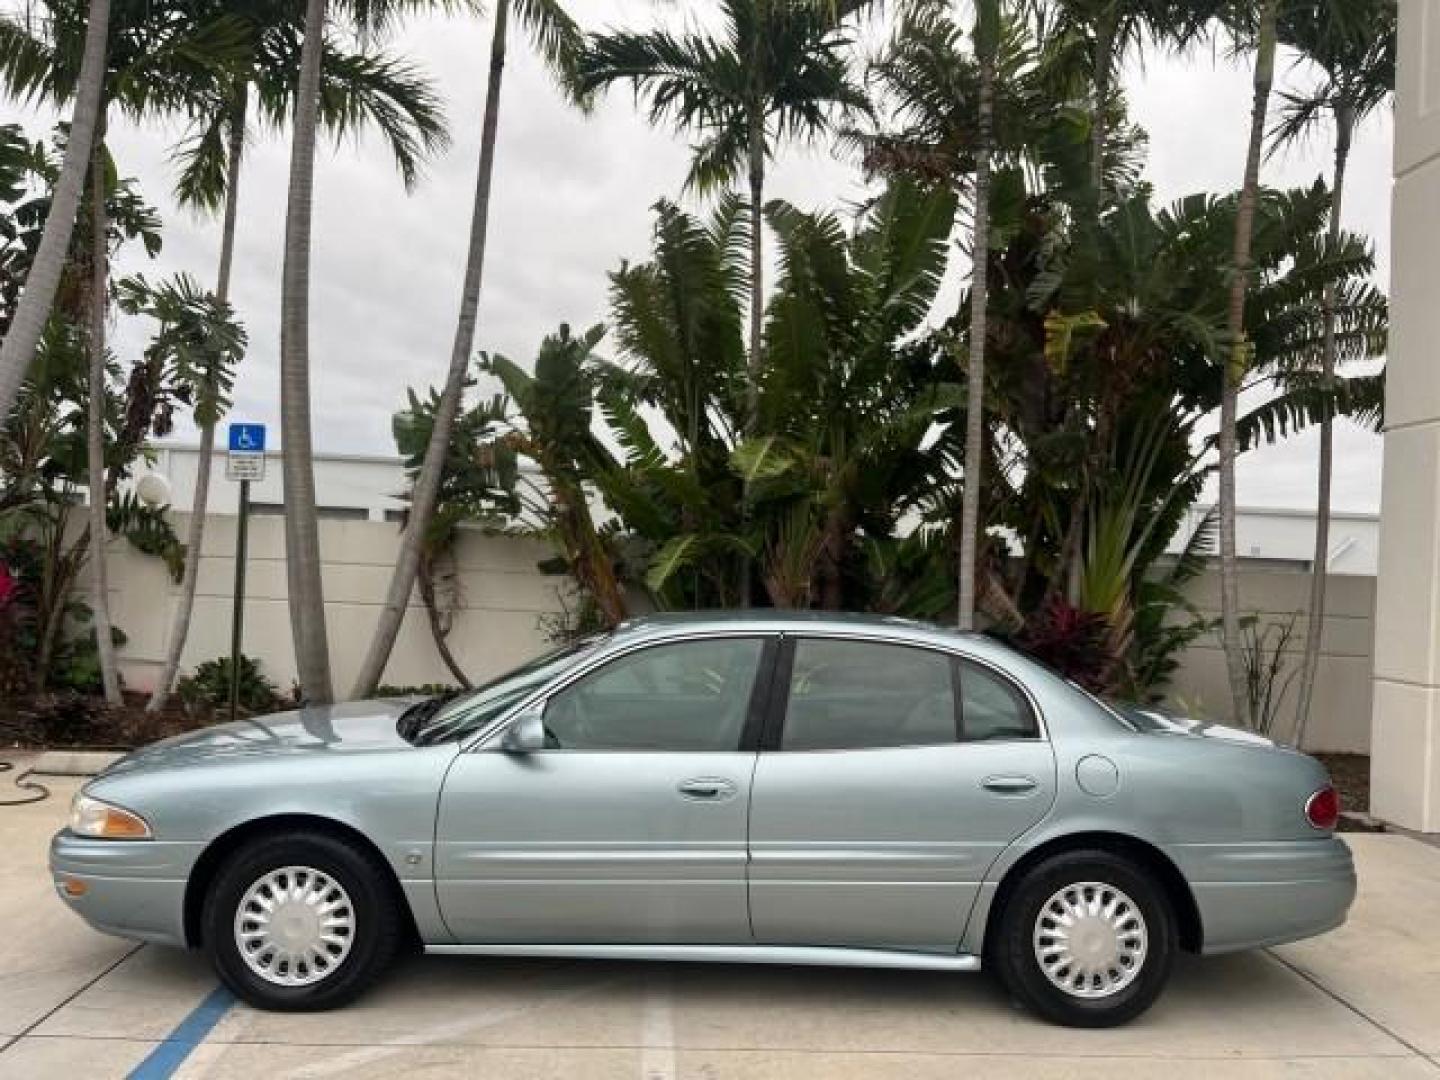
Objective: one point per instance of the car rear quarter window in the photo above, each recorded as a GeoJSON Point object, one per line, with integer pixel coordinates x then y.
{"type": "Point", "coordinates": [992, 707]}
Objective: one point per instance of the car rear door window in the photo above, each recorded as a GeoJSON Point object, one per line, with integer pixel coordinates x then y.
{"type": "Point", "coordinates": [847, 695]}
{"type": "Point", "coordinates": [682, 696]}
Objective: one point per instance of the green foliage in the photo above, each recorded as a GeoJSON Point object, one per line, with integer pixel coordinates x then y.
{"type": "Point", "coordinates": [1269, 668]}
{"type": "Point", "coordinates": [198, 343]}
{"type": "Point", "coordinates": [208, 686]}
{"type": "Point", "coordinates": [771, 72]}
{"type": "Point", "coordinates": [148, 530]}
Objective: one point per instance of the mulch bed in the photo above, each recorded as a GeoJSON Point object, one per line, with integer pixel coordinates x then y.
{"type": "Point", "coordinates": [78, 722]}
{"type": "Point", "coordinates": [1350, 773]}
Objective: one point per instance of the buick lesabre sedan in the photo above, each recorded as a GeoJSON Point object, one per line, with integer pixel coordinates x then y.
{"type": "Point", "coordinates": [739, 788]}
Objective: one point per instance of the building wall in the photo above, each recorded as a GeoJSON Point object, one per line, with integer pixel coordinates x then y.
{"type": "Point", "coordinates": [504, 599]}
{"type": "Point", "coordinates": [1405, 768]}
{"type": "Point", "coordinates": [1340, 712]}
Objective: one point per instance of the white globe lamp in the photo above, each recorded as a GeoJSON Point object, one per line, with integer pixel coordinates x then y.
{"type": "Point", "coordinates": [153, 490]}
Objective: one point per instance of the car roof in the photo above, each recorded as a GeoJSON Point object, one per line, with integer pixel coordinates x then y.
{"type": "Point", "coordinates": [779, 621]}
{"type": "Point", "coordinates": [675, 624]}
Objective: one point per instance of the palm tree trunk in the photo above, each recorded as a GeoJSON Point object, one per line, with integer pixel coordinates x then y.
{"type": "Point", "coordinates": [1233, 367]}
{"type": "Point", "coordinates": [427, 484]}
{"type": "Point", "coordinates": [1104, 61]}
{"type": "Point", "coordinates": [975, 401]}
{"type": "Point", "coordinates": [438, 632]}
{"type": "Point", "coordinates": [1320, 569]}
{"type": "Point", "coordinates": [754, 361]}
{"type": "Point", "coordinates": [33, 310]}
{"type": "Point", "coordinates": [95, 421]}
{"type": "Point", "coordinates": [302, 534]}
{"type": "Point", "coordinates": [195, 533]}
{"type": "Point", "coordinates": [757, 273]}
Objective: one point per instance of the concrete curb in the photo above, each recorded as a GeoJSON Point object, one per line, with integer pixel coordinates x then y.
{"type": "Point", "coordinates": [73, 762]}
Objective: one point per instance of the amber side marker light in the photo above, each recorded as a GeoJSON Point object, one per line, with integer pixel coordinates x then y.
{"type": "Point", "coordinates": [74, 887]}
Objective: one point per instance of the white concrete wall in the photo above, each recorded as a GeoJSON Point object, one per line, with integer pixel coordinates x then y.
{"type": "Point", "coordinates": [1405, 768]}
{"type": "Point", "coordinates": [504, 596]}
{"type": "Point", "coordinates": [1340, 715]}
{"type": "Point", "coordinates": [502, 593]}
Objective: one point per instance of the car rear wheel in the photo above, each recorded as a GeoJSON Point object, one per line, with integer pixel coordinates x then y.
{"type": "Point", "coordinates": [1086, 939]}
{"type": "Point", "coordinates": [300, 922]}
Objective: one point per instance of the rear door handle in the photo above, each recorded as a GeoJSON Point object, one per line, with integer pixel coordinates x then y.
{"type": "Point", "coordinates": [708, 788]}
{"type": "Point", "coordinates": [1010, 785]}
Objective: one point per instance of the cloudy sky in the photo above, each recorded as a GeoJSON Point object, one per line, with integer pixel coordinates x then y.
{"type": "Point", "coordinates": [572, 198]}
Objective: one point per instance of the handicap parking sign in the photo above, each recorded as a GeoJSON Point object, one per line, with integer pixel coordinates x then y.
{"type": "Point", "coordinates": [246, 459]}
{"type": "Point", "coordinates": [247, 438]}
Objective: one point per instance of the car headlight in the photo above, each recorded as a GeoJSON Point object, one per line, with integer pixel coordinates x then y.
{"type": "Point", "coordinates": [104, 821]}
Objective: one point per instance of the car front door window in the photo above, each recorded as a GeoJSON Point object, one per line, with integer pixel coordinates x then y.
{"type": "Point", "coordinates": [684, 696]}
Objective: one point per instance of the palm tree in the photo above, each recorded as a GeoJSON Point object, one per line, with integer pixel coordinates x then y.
{"type": "Point", "coordinates": [1108, 30]}
{"type": "Point", "coordinates": [95, 417]}
{"type": "Point", "coordinates": [773, 72]}
{"type": "Point", "coordinates": [1235, 360]}
{"type": "Point", "coordinates": [196, 349]}
{"type": "Point", "coordinates": [1089, 40]}
{"type": "Point", "coordinates": [154, 56]}
{"type": "Point", "coordinates": [355, 87]}
{"type": "Point", "coordinates": [1353, 44]}
{"type": "Point", "coordinates": [559, 41]}
{"type": "Point", "coordinates": [987, 43]}
{"type": "Point", "coordinates": [302, 532]}
{"type": "Point", "coordinates": [18, 70]}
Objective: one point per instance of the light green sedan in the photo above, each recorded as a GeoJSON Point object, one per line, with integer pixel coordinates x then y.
{"type": "Point", "coordinates": [750, 787]}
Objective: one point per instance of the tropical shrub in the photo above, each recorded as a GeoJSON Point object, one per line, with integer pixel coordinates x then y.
{"type": "Point", "coordinates": [208, 686]}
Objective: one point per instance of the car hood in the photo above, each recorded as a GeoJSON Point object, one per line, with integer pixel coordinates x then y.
{"type": "Point", "coordinates": [1155, 720]}
{"type": "Point", "coordinates": [357, 727]}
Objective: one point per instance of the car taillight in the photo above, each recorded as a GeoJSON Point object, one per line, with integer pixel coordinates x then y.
{"type": "Point", "coordinates": [1322, 809]}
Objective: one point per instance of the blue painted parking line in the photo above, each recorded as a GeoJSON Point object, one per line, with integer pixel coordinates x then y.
{"type": "Point", "coordinates": [162, 1062]}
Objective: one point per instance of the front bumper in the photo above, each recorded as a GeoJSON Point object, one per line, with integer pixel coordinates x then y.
{"type": "Point", "coordinates": [1253, 895]}
{"type": "Point", "coordinates": [129, 888]}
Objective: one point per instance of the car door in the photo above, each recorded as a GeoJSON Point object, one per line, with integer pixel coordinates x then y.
{"type": "Point", "coordinates": [629, 826]}
{"type": "Point", "coordinates": [898, 773]}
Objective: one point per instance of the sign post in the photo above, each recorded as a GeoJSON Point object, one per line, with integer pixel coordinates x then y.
{"type": "Point", "coordinates": [244, 462]}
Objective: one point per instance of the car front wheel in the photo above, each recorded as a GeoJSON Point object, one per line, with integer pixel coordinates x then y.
{"type": "Point", "coordinates": [1086, 939]}
{"type": "Point", "coordinates": [300, 922]}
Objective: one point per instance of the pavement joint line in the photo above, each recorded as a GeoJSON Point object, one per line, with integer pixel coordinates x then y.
{"type": "Point", "coordinates": [657, 1028]}
{"type": "Point", "coordinates": [13, 1039]}
{"type": "Point", "coordinates": [1065, 1055]}
{"type": "Point", "coordinates": [1314, 980]}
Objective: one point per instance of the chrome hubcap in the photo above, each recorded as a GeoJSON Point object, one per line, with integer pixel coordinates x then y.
{"type": "Point", "coordinates": [294, 926]}
{"type": "Point", "coordinates": [1090, 940]}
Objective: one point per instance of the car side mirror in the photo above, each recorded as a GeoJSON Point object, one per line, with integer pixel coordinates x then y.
{"type": "Point", "coordinates": [526, 732]}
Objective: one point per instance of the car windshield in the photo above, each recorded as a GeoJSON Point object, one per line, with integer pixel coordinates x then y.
{"type": "Point", "coordinates": [446, 718]}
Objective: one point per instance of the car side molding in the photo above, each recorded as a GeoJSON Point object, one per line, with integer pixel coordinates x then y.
{"type": "Point", "coordinates": [804, 955]}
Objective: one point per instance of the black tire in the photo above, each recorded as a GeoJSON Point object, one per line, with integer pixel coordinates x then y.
{"type": "Point", "coordinates": [377, 925]}
{"type": "Point", "coordinates": [1013, 953]}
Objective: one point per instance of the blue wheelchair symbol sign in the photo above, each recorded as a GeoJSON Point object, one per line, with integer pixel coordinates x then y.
{"type": "Point", "coordinates": [247, 438]}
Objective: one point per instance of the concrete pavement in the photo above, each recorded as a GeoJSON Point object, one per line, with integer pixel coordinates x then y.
{"type": "Point", "coordinates": [1363, 1001]}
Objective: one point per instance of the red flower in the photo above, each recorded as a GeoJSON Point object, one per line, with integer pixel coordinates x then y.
{"type": "Point", "coordinates": [9, 586]}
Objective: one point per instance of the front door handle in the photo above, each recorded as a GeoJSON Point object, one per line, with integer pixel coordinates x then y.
{"type": "Point", "coordinates": [1010, 785]}
{"type": "Point", "coordinates": [707, 788]}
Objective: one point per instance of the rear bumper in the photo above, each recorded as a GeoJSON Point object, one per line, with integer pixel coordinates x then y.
{"type": "Point", "coordinates": [1253, 895]}
{"type": "Point", "coordinates": [130, 888]}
